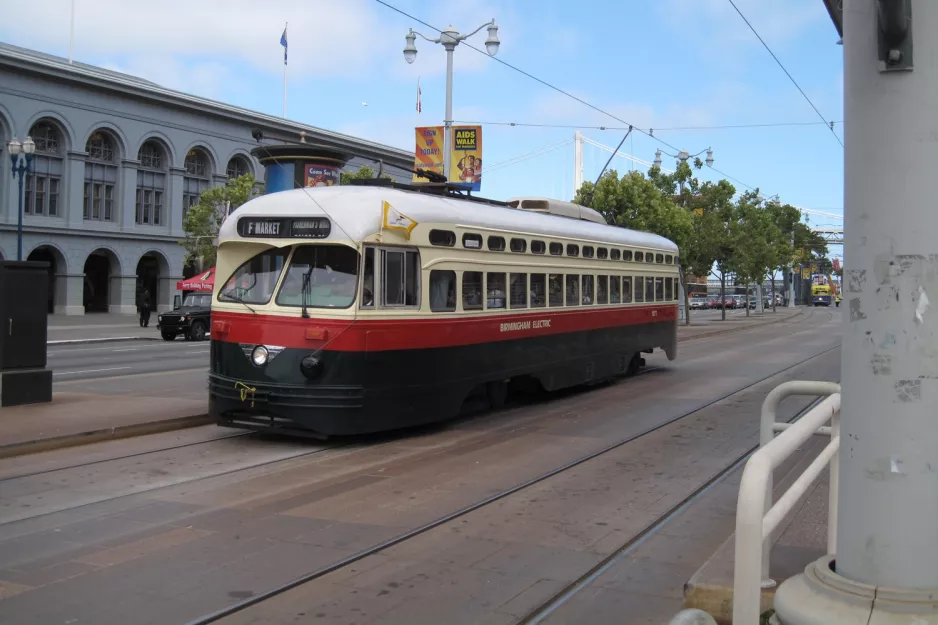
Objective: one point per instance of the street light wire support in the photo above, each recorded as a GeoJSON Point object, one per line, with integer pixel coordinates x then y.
{"type": "Point", "coordinates": [790, 77]}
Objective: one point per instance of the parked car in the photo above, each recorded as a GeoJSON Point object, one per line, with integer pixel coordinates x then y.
{"type": "Point", "coordinates": [699, 303]}
{"type": "Point", "coordinates": [192, 319]}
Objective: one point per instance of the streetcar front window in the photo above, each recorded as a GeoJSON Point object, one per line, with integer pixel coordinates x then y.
{"type": "Point", "coordinates": [328, 272]}
{"type": "Point", "coordinates": [254, 281]}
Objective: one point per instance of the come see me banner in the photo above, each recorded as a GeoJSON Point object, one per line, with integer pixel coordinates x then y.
{"type": "Point", "coordinates": [466, 160]}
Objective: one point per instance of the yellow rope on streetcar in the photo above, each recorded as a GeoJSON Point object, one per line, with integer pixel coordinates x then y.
{"type": "Point", "coordinates": [245, 389]}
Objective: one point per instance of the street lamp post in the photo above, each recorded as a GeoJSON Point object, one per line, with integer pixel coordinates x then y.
{"type": "Point", "coordinates": [450, 38]}
{"type": "Point", "coordinates": [683, 156]}
{"type": "Point", "coordinates": [20, 166]}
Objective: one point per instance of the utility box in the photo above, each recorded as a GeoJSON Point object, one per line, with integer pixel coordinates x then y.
{"type": "Point", "coordinates": [24, 291]}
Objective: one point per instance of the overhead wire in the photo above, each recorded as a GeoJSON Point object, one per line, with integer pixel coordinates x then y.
{"type": "Point", "coordinates": [787, 73]}
{"type": "Point", "coordinates": [671, 128]}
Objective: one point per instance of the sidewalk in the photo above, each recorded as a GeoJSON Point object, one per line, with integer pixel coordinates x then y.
{"type": "Point", "coordinates": [78, 418]}
{"type": "Point", "coordinates": [95, 327]}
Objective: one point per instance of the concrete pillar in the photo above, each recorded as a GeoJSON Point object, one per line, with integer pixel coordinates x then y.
{"type": "Point", "coordinates": [70, 294]}
{"type": "Point", "coordinates": [128, 195]}
{"type": "Point", "coordinates": [123, 295]}
{"type": "Point", "coordinates": [173, 201]}
{"type": "Point", "coordinates": [73, 189]}
{"type": "Point", "coordinates": [886, 569]}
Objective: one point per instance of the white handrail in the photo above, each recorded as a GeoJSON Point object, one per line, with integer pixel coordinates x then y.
{"type": "Point", "coordinates": [755, 515]}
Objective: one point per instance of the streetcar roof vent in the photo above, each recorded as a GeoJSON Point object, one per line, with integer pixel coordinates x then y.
{"type": "Point", "coordinates": [556, 207]}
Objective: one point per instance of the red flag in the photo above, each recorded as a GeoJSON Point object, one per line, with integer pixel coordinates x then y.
{"type": "Point", "coordinates": [419, 108]}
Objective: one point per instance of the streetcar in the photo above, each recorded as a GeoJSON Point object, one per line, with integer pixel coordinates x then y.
{"type": "Point", "coordinates": [820, 295]}
{"type": "Point", "coordinates": [377, 306]}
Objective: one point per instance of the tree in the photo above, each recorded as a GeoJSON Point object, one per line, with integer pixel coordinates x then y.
{"type": "Point", "coordinates": [755, 239]}
{"type": "Point", "coordinates": [364, 172]}
{"type": "Point", "coordinates": [785, 217]}
{"type": "Point", "coordinates": [203, 220]}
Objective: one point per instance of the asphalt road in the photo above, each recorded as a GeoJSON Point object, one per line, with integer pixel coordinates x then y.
{"type": "Point", "coordinates": [177, 367]}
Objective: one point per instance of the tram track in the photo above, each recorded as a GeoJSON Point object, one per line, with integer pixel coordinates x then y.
{"type": "Point", "coordinates": [570, 591]}
{"type": "Point", "coordinates": [410, 534]}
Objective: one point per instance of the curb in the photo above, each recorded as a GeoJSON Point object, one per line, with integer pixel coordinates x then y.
{"type": "Point", "coordinates": [704, 335]}
{"type": "Point", "coordinates": [96, 436]}
{"type": "Point", "coordinates": [109, 339]}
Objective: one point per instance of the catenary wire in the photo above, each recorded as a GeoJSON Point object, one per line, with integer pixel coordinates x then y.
{"type": "Point", "coordinates": [790, 77]}
{"type": "Point", "coordinates": [671, 128]}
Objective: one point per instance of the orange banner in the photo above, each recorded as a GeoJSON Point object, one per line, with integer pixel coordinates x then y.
{"type": "Point", "coordinates": [429, 151]}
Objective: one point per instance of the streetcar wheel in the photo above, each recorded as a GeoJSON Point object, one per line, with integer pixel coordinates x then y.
{"type": "Point", "coordinates": [197, 331]}
{"type": "Point", "coordinates": [496, 392]}
{"type": "Point", "coordinates": [635, 364]}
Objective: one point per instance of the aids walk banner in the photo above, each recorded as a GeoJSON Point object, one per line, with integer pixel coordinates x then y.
{"type": "Point", "coordinates": [429, 151]}
{"type": "Point", "coordinates": [466, 159]}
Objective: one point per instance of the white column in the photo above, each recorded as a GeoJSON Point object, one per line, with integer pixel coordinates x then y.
{"type": "Point", "coordinates": [577, 161]}
{"type": "Point", "coordinates": [887, 541]}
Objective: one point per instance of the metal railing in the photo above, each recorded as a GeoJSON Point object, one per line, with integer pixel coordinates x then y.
{"type": "Point", "coordinates": [756, 515]}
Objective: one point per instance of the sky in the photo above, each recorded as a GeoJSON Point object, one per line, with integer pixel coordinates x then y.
{"type": "Point", "coordinates": [664, 64]}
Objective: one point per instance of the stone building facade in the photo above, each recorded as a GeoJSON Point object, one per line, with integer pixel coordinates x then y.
{"type": "Point", "coordinates": [118, 162]}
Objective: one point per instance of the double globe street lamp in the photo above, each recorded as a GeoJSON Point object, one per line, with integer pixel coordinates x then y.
{"type": "Point", "coordinates": [450, 38]}
{"type": "Point", "coordinates": [20, 156]}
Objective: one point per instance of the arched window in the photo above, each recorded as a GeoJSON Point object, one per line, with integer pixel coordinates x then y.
{"type": "Point", "coordinates": [237, 167]}
{"type": "Point", "coordinates": [196, 180]}
{"type": "Point", "coordinates": [100, 177]}
{"type": "Point", "coordinates": [45, 171]}
{"type": "Point", "coordinates": [151, 184]}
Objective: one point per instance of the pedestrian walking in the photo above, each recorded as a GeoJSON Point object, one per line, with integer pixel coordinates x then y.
{"type": "Point", "coordinates": [145, 309]}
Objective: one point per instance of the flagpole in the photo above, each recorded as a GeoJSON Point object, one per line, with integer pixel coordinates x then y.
{"type": "Point", "coordinates": [286, 24]}
{"type": "Point", "coordinates": [71, 34]}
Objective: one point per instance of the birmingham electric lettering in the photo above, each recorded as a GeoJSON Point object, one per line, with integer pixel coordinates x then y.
{"type": "Point", "coordinates": [514, 326]}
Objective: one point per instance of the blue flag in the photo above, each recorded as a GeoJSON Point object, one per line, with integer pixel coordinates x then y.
{"type": "Point", "coordinates": [283, 42]}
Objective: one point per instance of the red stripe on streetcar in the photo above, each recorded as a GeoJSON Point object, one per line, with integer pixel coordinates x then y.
{"type": "Point", "coordinates": [397, 334]}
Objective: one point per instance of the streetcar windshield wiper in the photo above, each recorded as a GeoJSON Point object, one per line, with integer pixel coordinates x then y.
{"type": "Point", "coordinates": [305, 291]}
{"type": "Point", "coordinates": [237, 298]}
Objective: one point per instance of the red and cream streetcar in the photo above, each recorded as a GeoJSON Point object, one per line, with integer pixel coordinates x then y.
{"type": "Point", "coordinates": [361, 308]}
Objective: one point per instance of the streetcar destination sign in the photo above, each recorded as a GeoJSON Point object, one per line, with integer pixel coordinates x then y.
{"type": "Point", "coordinates": [284, 228]}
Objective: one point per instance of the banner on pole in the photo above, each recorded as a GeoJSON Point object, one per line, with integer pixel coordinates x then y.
{"type": "Point", "coordinates": [429, 151]}
{"type": "Point", "coordinates": [466, 157]}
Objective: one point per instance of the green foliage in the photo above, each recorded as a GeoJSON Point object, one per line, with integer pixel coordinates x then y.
{"type": "Point", "coordinates": [756, 241]}
{"type": "Point", "coordinates": [364, 172]}
{"type": "Point", "coordinates": [633, 201]}
{"type": "Point", "coordinates": [203, 220]}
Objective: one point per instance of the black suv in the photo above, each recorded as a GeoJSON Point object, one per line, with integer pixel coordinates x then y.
{"type": "Point", "coordinates": [192, 320]}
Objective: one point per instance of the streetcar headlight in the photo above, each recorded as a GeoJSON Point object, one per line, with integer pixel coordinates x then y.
{"type": "Point", "coordinates": [260, 355]}
{"type": "Point", "coordinates": [311, 367]}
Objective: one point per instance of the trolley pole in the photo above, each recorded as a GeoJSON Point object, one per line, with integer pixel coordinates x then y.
{"type": "Point", "coordinates": [886, 567]}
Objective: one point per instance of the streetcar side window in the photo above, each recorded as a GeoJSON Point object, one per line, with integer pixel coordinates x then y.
{"type": "Point", "coordinates": [677, 289]}
{"type": "Point", "coordinates": [538, 247]}
{"type": "Point", "coordinates": [602, 253]}
{"type": "Point", "coordinates": [519, 290]}
{"type": "Point", "coordinates": [627, 255]}
{"type": "Point", "coordinates": [659, 289]}
{"type": "Point", "coordinates": [668, 259]}
{"type": "Point", "coordinates": [368, 279]}
{"type": "Point", "coordinates": [495, 290]}
{"type": "Point", "coordinates": [519, 245]}
{"type": "Point", "coordinates": [587, 290]}
{"type": "Point", "coordinates": [320, 276]}
{"type": "Point", "coordinates": [639, 288]}
{"type": "Point", "coordinates": [639, 257]}
{"type": "Point", "coordinates": [626, 289]}
{"type": "Point", "coordinates": [587, 251]}
{"type": "Point", "coordinates": [497, 244]}
{"type": "Point", "coordinates": [556, 249]}
{"type": "Point", "coordinates": [472, 241]}
{"type": "Point", "coordinates": [649, 257]}
{"type": "Point", "coordinates": [668, 289]}
{"type": "Point", "coordinates": [573, 290]}
{"type": "Point", "coordinates": [659, 258]}
{"type": "Point", "coordinates": [614, 284]}
{"type": "Point", "coordinates": [442, 290]}
{"type": "Point", "coordinates": [255, 280]}
{"type": "Point", "coordinates": [538, 290]}
{"type": "Point", "coordinates": [649, 289]}
{"type": "Point", "coordinates": [444, 238]}
{"type": "Point", "coordinates": [615, 254]}
{"type": "Point", "coordinates": [573, 250]}
{"type": "Point", "coordinates": [399, 276]}
{"type": "Point", "coordinates": [472, 290]}
{"type": "Point", "coordinates": [556, 289]}
{"type": "Point", "coordinates": [602, 289]}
